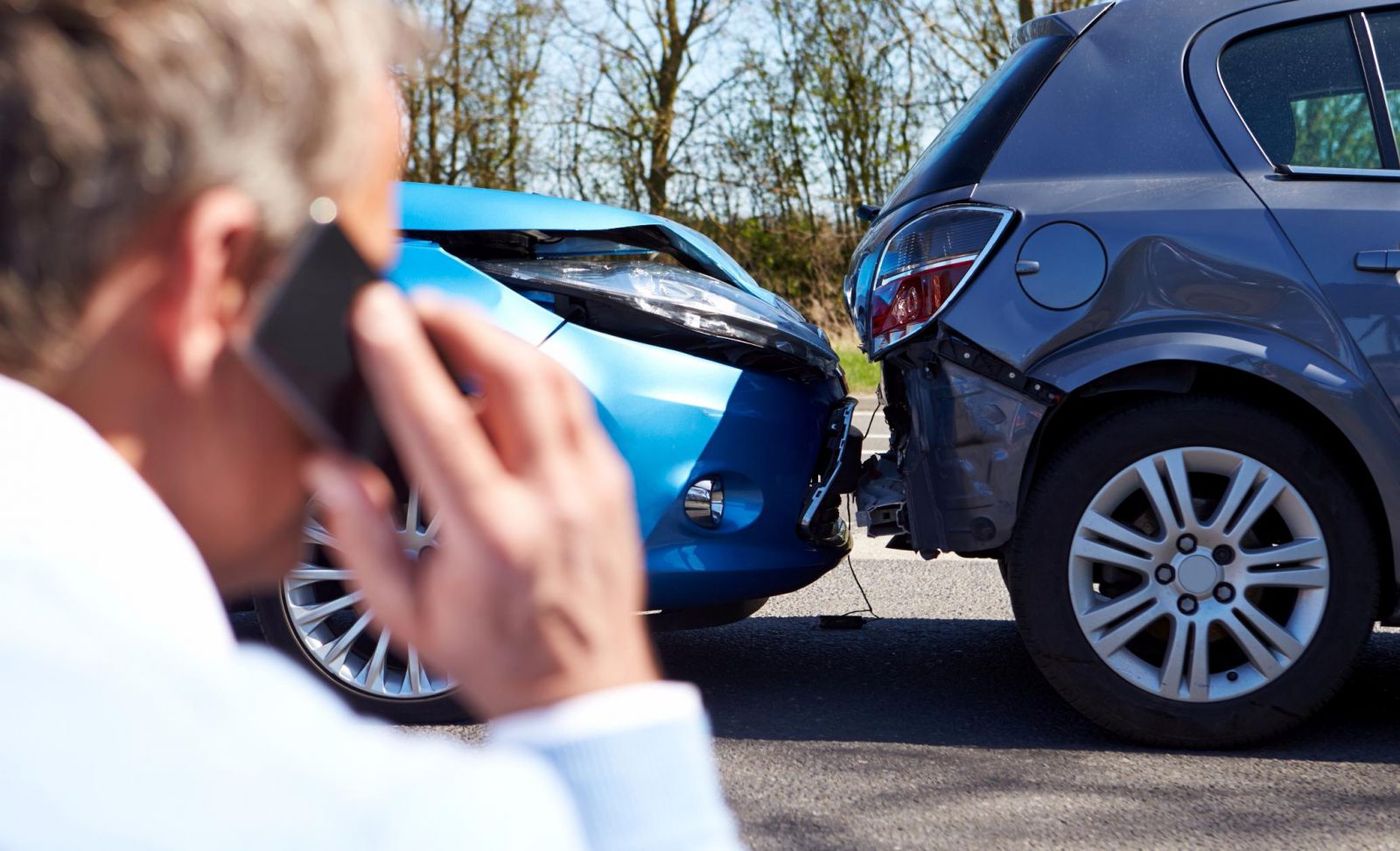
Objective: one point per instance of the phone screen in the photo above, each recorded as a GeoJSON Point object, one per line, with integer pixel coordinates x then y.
{"type": "Point", "coordinates": [302, 348]}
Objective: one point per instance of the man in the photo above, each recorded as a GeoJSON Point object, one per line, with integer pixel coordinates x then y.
{"type": "Point", "coordinates": [156, 157]}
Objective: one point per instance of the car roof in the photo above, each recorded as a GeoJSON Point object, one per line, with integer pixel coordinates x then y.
{"type": "Point", "coordinates": [1077, 20]}
{"type": "Point", "coordinates": [1223, 8]}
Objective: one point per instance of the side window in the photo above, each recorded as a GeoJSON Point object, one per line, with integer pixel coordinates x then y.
{"type": "Point", "coordinates": [1302, 92]}
{"type": "Point", "coordinates": [1385, 32]}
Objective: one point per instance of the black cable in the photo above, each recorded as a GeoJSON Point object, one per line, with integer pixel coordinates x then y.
{"type": "Point", "coordinates": [850, 620]}
{"type": "Point", "coordinates": [851, 565]}
{"type": "Point", "coordinates": [879, 406]}
{"type": "Point", "coordinates": [868, 610]}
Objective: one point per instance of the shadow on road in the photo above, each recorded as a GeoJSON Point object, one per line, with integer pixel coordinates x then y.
{"type": "Point", "coordinates": [963, 683]}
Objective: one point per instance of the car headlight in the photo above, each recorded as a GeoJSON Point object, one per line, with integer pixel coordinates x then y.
{"type": "Point", "coordinates": [674, 307]}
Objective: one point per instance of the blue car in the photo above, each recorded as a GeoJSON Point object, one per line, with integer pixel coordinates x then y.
{"type": "Point", "coordinates": [730, 408]}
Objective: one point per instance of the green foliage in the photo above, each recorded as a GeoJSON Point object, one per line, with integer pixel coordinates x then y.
{"type": "Point", "coordinates": [801, 259]}
{"type": "Point", "coordinates": [1336, 131]}
{"type": "Point", "coordinates": [861, 375]}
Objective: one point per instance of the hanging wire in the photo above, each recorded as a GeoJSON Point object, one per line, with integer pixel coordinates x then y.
{"type": "Point", "coordinates": [879, 406]}
{"type": "Point", "coordinates": [850, 563]}
{"type": "Point", "coordinates": [868, 610]}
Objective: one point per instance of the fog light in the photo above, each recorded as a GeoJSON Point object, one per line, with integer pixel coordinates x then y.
{"type": "Point", "coordinates": [704, 502]}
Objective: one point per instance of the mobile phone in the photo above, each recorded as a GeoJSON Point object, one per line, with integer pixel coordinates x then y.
{"type": "Point", "coordinates": [302, 349]}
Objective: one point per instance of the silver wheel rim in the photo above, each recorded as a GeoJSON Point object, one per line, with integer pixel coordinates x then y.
{"type": "Point", "coordinates": [1209, 622]}
{"type": "Point", "coordinates": [344, 641]}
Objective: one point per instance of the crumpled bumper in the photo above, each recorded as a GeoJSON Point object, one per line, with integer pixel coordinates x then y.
{"type": "Point", "coordinates": [838, 473]}
{"type": "Point", "coordinates": [677, 419]}
{"type": "Point", "coordinates": [962, 435]}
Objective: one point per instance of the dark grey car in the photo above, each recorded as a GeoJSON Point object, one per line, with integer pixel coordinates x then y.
{"type": "Point", "coordinates": [1139, 319]}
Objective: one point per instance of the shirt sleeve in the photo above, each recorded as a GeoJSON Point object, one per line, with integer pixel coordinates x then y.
{"type": "Point", "coordinates": [638, 763]}
{"type": "Point", "coordinates": [600, 714]}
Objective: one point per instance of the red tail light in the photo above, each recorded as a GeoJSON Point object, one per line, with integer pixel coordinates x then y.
{"type": "Point", "coordinates": [925, 264]}
{"type": "Point", "coordinates": [917, 297]}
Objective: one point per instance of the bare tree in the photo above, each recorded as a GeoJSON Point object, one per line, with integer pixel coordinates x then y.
{"type": "Point", "coordinates": [1029, 9]}
{"type": "Point", "coordinates": [643, 105]}
{"type": "Point", "coordinates": [974, 37]}
{"type": "Point", "coordinates": [761, 122]}
{"type": "Point", "coordinates": [469, 106]}
{"type": "Point", "coordinates": [432, 90]}
{"type": "Point", "coordinates": [516, 44]}
{"type": "Point", "coordinates": [866, 97]}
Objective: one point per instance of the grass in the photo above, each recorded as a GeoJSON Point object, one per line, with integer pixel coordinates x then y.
{"type": "Point", "coordinates": [862, 375]}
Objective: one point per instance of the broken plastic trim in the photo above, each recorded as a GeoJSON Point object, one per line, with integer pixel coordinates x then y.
{"type": "Point", "coordinates": [822, 522]}
{"type": "Point", "coordinates": [972, 357]}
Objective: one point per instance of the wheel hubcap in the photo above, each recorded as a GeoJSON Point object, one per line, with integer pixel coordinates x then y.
{"type": "Point", "coordinates": [346, 643]}
{"type": "Point", "coordinates": [1199, 574]}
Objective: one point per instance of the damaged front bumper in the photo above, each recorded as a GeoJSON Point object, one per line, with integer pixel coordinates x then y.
{"type": "Point", "coordinates": [962, 427]}
{"type": "Point", "coordinates": [698, 374]}
{"type": "Point", "coordinates": [838, 472]}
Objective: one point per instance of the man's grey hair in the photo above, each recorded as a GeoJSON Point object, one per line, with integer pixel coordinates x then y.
{"type": "Point", "coordinates": [113, 112]}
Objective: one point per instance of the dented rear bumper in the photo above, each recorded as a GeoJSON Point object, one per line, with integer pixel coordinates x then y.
{"type": "Point", "coordinates": [962, 428]}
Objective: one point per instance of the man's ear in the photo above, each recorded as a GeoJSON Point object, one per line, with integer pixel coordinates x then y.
{"type": "Point", "coordinates": [206, 282]}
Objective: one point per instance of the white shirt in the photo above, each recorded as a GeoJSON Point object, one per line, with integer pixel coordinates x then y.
{"type": "Point", "coordinates": [130, 718]}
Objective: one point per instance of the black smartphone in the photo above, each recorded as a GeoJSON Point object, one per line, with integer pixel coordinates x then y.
{"type": "Point", "coordinates": [302, 349]}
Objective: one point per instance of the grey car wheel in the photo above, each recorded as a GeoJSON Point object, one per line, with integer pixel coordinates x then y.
{"type": "Point", "coordinates": [1194, 571]}
{"type": "Point", "coordinates": [1197, 606]}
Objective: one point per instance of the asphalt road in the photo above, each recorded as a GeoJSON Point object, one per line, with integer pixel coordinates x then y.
{"type": "Point", "coordinates": [930, 728]}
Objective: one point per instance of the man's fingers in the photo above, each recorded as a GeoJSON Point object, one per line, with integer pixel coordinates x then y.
{"type": "Point", "coordinates": [355, 510]}
{"type": "Point", "coordinates": [525, 406]}
{"type": "Point", "coordinates": [435, 432]}
{"type": "Point", "coordinates": [537, 400]}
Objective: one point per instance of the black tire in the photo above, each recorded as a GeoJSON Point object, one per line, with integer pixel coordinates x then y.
{"type": "Point", "coordinates": [1039, 576]}
{"type": "Point", "coordinates": [271, 610]}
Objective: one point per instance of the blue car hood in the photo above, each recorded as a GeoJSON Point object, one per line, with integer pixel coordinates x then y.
{"type": "Point", "coordinates": [453, 208]}
{"type": "Point", "coordinates": [428, 208]}
{"type": "Point", "coordinates": [431, 214]}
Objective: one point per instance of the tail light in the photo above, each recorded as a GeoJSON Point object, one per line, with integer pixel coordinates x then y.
{"type": "Point", "coordinates": [925, 264]}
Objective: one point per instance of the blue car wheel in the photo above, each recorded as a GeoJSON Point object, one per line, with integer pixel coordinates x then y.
{"type": "Point", "coordinates": [316, 619]}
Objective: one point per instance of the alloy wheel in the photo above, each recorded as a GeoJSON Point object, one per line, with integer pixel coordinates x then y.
{"type": "Point", "coordinates": [345, 641]}
{"type": "Point", "coordinates": [1199, 574]}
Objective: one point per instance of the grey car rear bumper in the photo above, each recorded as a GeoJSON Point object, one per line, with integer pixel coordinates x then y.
{"type": "Point", "coordinates": [962, 426]}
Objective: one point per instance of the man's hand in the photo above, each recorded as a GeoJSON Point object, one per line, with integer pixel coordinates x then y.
{"type": "Point", "coordinates": [532, 592]}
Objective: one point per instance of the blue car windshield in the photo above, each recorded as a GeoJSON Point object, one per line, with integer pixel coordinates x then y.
{"type": "Point", "coordinates": [960, 155]}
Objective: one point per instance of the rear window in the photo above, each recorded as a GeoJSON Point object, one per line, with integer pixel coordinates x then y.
{"type": "Point", "coordinates": [1385, 31]}
{"type": "Point", "coordinates": [1302, 92]}
{"type": "Point", "coordinates": [960, 155]}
